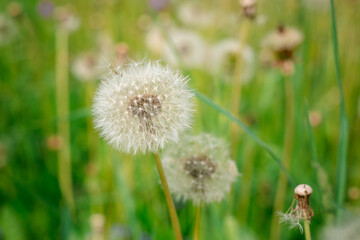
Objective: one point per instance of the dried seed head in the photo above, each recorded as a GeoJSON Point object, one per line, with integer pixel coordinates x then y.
{"type": "Point", "coordinates": [199, 168]}
{"type": "Point", "coordinates": [281, 44]}
{"type": "Point", "coordinates": [302, 209]}
{"type": "Point", "coordinates": [249, 8]}
{"type": "Point", "coordinates": [303, 190]}
{"type": "Point", "coordinates": [142, 106]}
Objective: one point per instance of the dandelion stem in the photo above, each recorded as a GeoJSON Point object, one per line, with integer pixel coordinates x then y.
{"type": "Point", "coordinates": [287, 153]}
{"type": "Point", "coordinates": [236, 99]}
{"type": "Point", "coordinates": [307, 230]}
{"type": "Point", "coordinates": [197, 223]}
{"type": "Point", "coordinates": [169, 201]}
{"type": "Point", "coordinates": [62, 111]}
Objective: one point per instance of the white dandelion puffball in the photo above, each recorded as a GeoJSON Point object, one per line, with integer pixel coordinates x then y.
{"type": "Point", "coordinates": [189, 45]}
{"type": "Point", "coordinates": [222, 58]}
{"type": "Point", "coordinates": [199, 168]}
{"type": "Point", "coordinates": [141, 106]}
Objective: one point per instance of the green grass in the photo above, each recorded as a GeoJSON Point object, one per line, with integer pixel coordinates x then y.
{"type": "Point", "coordinates": [126, 189]}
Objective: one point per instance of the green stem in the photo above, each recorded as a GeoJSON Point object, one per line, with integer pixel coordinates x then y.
{"type": "Point", "coordinates": [288, 149]}
{"type": "Point", "coordinates": [344, 126]}
{"type": "Point", "coordinates": [169, 201]}
{"type": "Point", "coordinates": [258, 140]}
{"type": "Point", "coordinates": [237, 84]}
{"type": "Point", "coordinates": [62, 110]}
{"type": "Point", "coordinates": [197, 223]}
{"type": "Point", "coordinates": [307, 230]}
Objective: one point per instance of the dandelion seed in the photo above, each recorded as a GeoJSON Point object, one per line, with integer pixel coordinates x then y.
{"type": "Point", "coordinates": [142, 106]}
{"type": "Point", "coordinates": [300, 208]}
{"type": "Point", "coordinates": [199, 168]}
{"type": "Point", "coordinates": [67, 19]}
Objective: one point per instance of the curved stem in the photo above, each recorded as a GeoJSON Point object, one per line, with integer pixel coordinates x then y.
{"type": "Point", "coordinates": [169, 201]}
{"type": "Point", "coordinates": [197, 223]}
{"type": "Point", "coordinates": [307, 230]}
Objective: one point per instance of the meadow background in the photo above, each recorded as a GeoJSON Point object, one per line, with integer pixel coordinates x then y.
{"type": "Point", "coordinates": [35, 203]}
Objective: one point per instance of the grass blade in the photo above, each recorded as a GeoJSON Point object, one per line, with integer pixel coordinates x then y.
{"type": "Point", "coordinates": [248, 131]}
{"type": "Point", "coordinates": [344, 126]}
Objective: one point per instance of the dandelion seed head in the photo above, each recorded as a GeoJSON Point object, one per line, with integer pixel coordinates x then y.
{"type": "Point", "coordinates": [222, 58]}
{"type": "Point", "coordinates": [85, 67]}
{"type": "Point", "coordinates": [199, 168]}
{"type": "Point", "coordinates": [303, 190]}
{"type": "Point", "coordinates": [190, 46]}
{"type": "Point", "coordinates": [283, 41]}
{"type": "Point", "coordinates": [141, 106]}
{"type": "Point", "coordinates": [249, 9]}
{"type": "Point", "coordinates": [299, 209]}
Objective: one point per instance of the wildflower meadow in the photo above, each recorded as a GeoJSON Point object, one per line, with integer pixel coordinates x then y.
{"type": "Point", "coordinates": [169, 119]}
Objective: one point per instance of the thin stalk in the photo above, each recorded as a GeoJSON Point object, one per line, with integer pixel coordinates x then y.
{"type": "Point", "coordinates": [237, 84]}
{"type": "Point", "coordinates": [307, 230]}
{"type": "Point", "coordinates": [197, 223]}
{"type": "Point", "coordinates": [169, 201]}
{"type": "Point", "coordinates": [288, 149]}
{"type": "Point", "coordinates": [62, 110]}
{"type": "Point", "coordinates": [344, 125]}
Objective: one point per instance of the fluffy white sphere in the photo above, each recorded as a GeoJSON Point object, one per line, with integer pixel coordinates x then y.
{"type": "Point", "coordinates": [142, 106]}
{"type": "Point", "coordinates": [199, 168]}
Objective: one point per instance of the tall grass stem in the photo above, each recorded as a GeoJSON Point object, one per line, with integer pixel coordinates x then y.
{"type": "Point", "coordinates": [62, 111]}
{"type": "Point", "coordinates": [287, 154]}
{"type": "Point", "coordinates": [344, 126]}
{"type": "Point", "coordinates": [248, 131]}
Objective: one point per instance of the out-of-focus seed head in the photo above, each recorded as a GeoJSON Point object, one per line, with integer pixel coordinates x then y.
{"type": "Point", "coordinates": [282, 43]}
{"type": "Point", "coordinates": [141, 106]}
{"type": "Point", "coordinates": [222, 56]}
{"type": "Point", "coordinates": [249, 8]}
{"type": "Point", "coordinates": [199, 168]}
{"type": "Point", "coordinates": [189, 45]}
{"type": "Point", "coordinates": [15, 9]}
{"type": "Point", "coordinates": [85, 67]}
{"type": "Point", "coordinates": [67, 19]}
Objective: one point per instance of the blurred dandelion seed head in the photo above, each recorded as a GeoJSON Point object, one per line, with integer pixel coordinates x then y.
{"type": "Point", "coordinates": [199, 168]}
{"type": "Point", "coordinates": [249, 8]}
{"type": "Point", "coordinates": [189, 45]}
{"type": "Point", "coordinates": [281, 44]}
{"type": "Point", "coordinates": [141, 106]}
{"type": "Point", "coordinates": [67, 20]}
{"type": "Point", "coordinates": [85, 67]}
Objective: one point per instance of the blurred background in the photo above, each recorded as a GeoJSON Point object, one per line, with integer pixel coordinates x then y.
{"type": "Point", "coordinates": [59, 180]}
